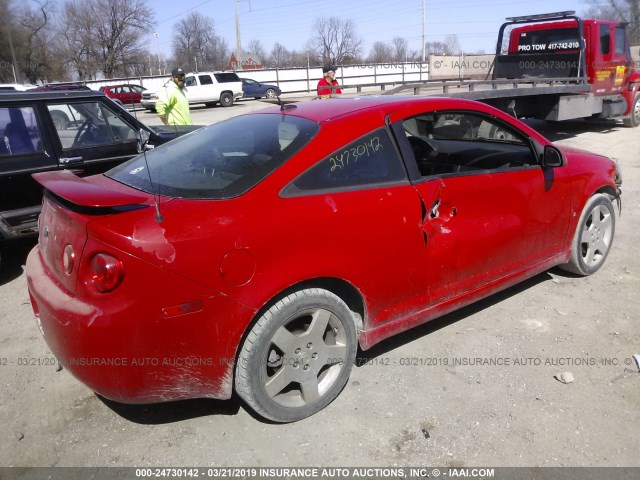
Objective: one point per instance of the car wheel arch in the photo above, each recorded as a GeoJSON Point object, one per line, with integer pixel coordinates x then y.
{"type": "Point", "coordinates": [344, 290]}
{"type": "Point", "coordinates": [578, 205]}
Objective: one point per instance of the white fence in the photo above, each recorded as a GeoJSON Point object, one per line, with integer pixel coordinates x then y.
{"type": "Point", "coordinates": [299, 80]}
{"type": "Point", "coordinates": [304, 80]}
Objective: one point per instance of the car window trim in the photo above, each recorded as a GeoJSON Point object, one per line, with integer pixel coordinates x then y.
{"type": "Point", "coordinates": [412, 167]}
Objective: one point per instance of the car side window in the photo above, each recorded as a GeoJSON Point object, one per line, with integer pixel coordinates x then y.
{"type": "Point", "coordinates": [88, 124]}
{"type": "Point", "coordinates": [620, 47]}
{"type": "Point", "coordinates": [605, 39]}
{"type": "Point", "coordinates": [205, 80]}
{"type": "Point", "coordinates": [454, 142]}
{"type": "Point", "coordinates": [190, 81]}
{"type": "Point", "coordinates": [19, 132]}
{"type": "Point", "coordinates": [370, 160]}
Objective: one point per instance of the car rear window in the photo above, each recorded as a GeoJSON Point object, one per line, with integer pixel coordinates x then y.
{"type": "Point", "coordinates": [551, 40]}
{"type": "Point", "coordinates": [221, 161]}
{"type": "Point", "coordinates": [227, 77]}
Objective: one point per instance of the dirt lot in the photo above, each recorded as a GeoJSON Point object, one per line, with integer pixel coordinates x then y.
{"type": "Point", "coordinates": [430, 412]}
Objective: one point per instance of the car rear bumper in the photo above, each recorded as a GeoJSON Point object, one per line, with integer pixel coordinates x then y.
{"type": "Point", "coordinates": [132, 355]}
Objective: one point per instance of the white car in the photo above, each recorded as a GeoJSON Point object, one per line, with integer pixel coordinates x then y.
{"type": "Point", "coordinates": [204, 87]}
{"type": "Point", "coordinates": [14, 87]}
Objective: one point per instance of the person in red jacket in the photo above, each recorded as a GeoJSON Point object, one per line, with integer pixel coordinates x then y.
{"type": "Point", "coordinates": [328, 80]}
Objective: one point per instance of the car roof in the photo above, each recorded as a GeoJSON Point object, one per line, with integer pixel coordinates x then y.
{"type": "Point", "coordinates": [49, 95]}
{"type": "Point", "coordinates": [210, 72]}
{"type": "Point", "coordinates": [325, 110]}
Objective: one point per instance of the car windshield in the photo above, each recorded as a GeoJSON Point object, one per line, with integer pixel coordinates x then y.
{"type": "Point", "coordinates": [221, 161]}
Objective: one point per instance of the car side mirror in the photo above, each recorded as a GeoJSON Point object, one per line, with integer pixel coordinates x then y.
{"type": "Point", "coordinates": [552, 157]}
{"type": "Point", "coordinates": [143, 138]}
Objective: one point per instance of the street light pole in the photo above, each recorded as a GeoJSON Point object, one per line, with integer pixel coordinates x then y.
{"type": "Point", "coordinates": [155, 34]}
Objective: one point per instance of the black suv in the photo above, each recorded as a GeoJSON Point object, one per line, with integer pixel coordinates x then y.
{"type": "Point", "coordinates": [80, 130]}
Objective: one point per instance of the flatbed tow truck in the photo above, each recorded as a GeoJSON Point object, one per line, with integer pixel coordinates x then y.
{"type": "Point", "coordinates": [555, 67]}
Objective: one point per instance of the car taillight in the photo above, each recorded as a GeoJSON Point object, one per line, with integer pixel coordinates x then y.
{"type": "Point", "coordinates": [106, 272]}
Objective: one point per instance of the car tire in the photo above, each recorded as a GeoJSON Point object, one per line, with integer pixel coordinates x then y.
{"type": "Point", "coordinates": [298, 356]}
{"type": "Point", "coordinates": [593, 237]}
{"type": "Point", "coordinates": [226, 99]}
{"type": "Point", "coordinates": [634, 119]}
{"type": "Point", "coordinates": [270, 93]}
{"type": "Point", "coordinates": [60, 119]}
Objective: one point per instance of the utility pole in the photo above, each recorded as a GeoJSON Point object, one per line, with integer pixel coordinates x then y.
{"type": "Point", "coordinates": [238, 43]}
{"type": "Point", "coordinates": [424, 45]}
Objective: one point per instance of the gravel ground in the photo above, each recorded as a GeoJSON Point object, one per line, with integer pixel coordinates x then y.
{"type": "Point", "coordinates": [474, 388]}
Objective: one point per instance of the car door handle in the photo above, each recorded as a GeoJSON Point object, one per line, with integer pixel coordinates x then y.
{"type": "Point", "coordinates": [67, 160]}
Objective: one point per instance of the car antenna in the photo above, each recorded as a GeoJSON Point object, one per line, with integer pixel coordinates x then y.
{"type": "Point", "coordinates": [285, 106]}
{"type": "Point", "coordinates": [156, 200]}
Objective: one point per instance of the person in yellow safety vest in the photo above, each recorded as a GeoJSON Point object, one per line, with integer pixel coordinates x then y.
{"type": "Point", "coordinates": [172, 104]}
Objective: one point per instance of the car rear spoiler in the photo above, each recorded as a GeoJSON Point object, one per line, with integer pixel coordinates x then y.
{"type": "Point", "coordinates": [78, 191]}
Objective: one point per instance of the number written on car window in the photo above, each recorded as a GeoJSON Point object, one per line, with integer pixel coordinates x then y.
{"type": "Point", "coordinates": [351, 155]}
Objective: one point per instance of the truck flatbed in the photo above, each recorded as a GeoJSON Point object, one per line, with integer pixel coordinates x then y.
{"type": "Point", "coordinates": [487, 89]}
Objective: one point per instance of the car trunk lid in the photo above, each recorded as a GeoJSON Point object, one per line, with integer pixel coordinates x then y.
{"type": "Point", "coordinates": [69, 204]}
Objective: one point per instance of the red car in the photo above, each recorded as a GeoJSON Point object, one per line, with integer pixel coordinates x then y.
{"type": "Point", "coordinates": [256, 254]}
{"type": "Point", "coordinates": [124, 94]}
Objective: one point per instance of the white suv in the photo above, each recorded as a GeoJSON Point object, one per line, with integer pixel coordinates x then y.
{"type": "Point", "coordinates": [205, 87]}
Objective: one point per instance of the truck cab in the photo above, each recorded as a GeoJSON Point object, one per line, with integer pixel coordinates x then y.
{"type": "Point", "coordinates": [608, 62]}
{"type": "Point", "coordinates": [594, 54]}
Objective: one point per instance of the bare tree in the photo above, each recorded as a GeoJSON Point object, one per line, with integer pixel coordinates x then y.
{"type": "Point", "coordinates": [219, 53]}
{"type": "Point", "coordinates": [619, 10]}
{"type": "Point", "coordinates": [436, 48]}
{"type": "Point", "coordinates": [305, 57]}
{"type": "Point", "coordinates": [115, 29]}
{"type": "Point", "coordinates": [26, 47]}
{"type": "Point", "coordinates": [400, 48]}
{"type": "Point", "coordinates": [335, 40]}
{"type": "Point", "coordinates": [6, 74]}
{"type": "Point", "coordinates": [380, 53]}
{"type": "Point", "coordinates": [280, 56]}
{"type": "Point", "coordinates": [196, 45]}
{"type": "Point", "coordinates": [78, 41]}
{"type": "Point", "coordinates": [33, 41]}
{"type": "Point", "coordinates": [452, 45]}
{"type": "Point", "coordinates": [256, 47]}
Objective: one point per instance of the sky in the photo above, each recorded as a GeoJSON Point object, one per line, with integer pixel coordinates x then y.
{"type": "Point", "coordinates": [290, 22]}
